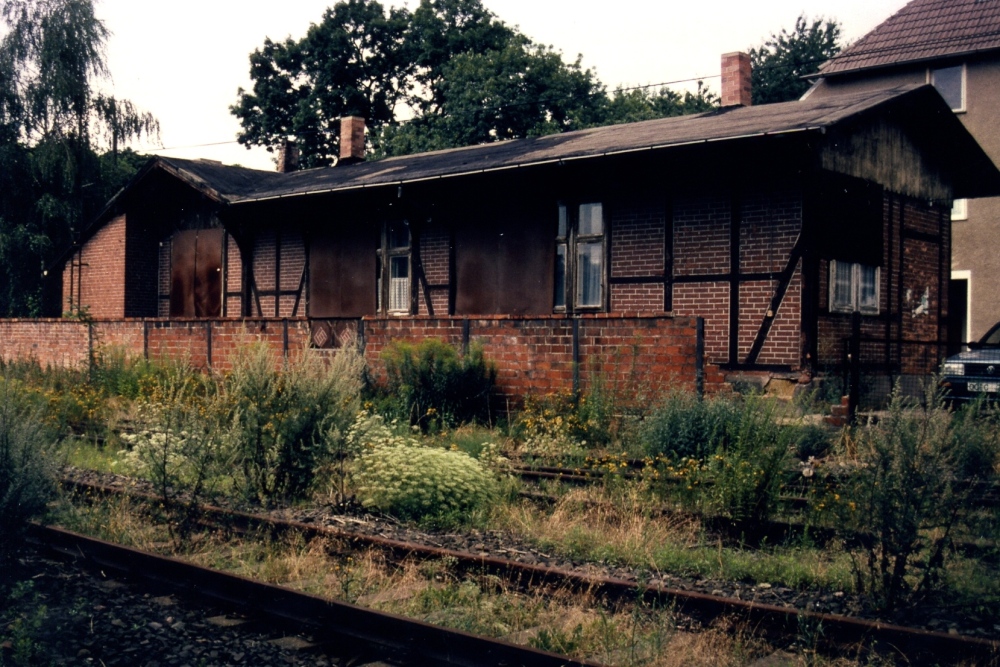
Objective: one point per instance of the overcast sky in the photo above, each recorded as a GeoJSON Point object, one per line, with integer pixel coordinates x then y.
{"type": "Point", "coordinates": [184, 60]}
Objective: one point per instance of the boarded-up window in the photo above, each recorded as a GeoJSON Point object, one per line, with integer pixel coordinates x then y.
{"type": "Point", "coordinates": [196, 273]}
{"type": "Point", "coordinates": [849, 218]}
{"type": "Point", "coordinates": [505, 268]}
{"type": "Point", "coordinates": [342, 280]}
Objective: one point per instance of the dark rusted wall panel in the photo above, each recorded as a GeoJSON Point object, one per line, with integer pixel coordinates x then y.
{"type": "Point", "coordinates": [342, 280]}
{"type": "Point", "coordinates": [505, 267]}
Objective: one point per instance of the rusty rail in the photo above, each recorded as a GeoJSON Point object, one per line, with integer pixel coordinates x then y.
{"type": "Point", "coordinates": [915, 644]}
{"type": "Point", "coordinates": [387, 635]}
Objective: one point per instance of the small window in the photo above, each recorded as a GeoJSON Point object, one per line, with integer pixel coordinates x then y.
{"type": "Point", "coordinates": [950, 82]}
{"type": "Point", "coordinates": [580, 238]}
{"type": "Point", "coordinates": [393, 269]}
{"type": "Point", "coordinates": [960, 209]}
{"type": "Point", "coordinates": [854, 287]}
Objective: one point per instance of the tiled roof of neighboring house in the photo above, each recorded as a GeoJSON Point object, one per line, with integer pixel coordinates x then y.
{"type": "Point", "coordinates": [923, 30]}
{"type": "Point", "coordinates": [235, 185]}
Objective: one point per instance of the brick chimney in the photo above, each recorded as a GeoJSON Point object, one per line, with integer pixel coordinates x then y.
{"type": "Point", "coordinates": [352, 139]}
{"type": "Point", "coordinates": [288, 157]}
{"type": "Point", "coordinates": [735, 79]}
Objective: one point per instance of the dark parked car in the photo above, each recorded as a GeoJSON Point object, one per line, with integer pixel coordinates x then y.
{"type": "Point", "coordinates": [976, 372]}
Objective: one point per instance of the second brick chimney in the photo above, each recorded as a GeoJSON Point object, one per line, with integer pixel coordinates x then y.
{"type": "Point", "coordinates": [352, 139]}
{"type": "Point", "coordinates": [735, 79]}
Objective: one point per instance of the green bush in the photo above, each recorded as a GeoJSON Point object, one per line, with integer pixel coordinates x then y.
{"type": "Point", "coordinates": [747, 467]}
{"type": "Point", "coordinates": [399, 476]}
{"type": "Point", "coordinates": [290, 421]}
{"type": "Point", "coordinates": [183, 447]}
{"type": "Point", "coordinates": [909, 493]}
{"type": "Point", "coordinates": [116, 372]}
{"type": "Point", "coordinates": [435, 387]}
{"type": "Point", "coordinates": [26, 470]}
{"type": "Point", "coordinates": [686, 426]}
{"type": "Point", "coordinates": [812, 441]}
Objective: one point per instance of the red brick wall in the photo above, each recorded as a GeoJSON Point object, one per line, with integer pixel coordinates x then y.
{"type": "Point", "coordinates": [533, 355]}
{"type": "Point", "coordinates": [435, 256]}
{"type": "Point", "coordinates": [102, 272]}
{"type": "Point", "coordinates": [51, 342]}
{"type": "Point", "coordinates": [234, 278]}
{"type": "Point", "coordinates": [637, 251]}
{"type": "Point", "coordinates": [265, 264]}
{"type": "Point", "coordinates": [770, 224]}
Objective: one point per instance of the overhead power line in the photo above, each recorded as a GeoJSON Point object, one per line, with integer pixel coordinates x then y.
{"type": "Point", "coordinates": [847, 54]}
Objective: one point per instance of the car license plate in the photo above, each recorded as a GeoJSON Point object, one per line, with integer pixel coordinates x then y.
{"type": "Point", "coordinates": [986, 387]}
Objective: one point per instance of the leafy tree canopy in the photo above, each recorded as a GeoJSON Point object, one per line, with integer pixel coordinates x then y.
{"type": "Point", "coordinates": [59, 138]}
{"type": "Point", "coordinates": [462, 75]}
{"type": "Point", "coordinates": [779, 64]}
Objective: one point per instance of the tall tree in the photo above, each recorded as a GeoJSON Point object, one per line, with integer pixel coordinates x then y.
{"type": "Point", "coordinates": [52, 126]}
{"type": "Point", "coordinates": [781, 62]}
{"type": "Point", "coordinates": [355, 62]}
{"type": "Point", "coordinates": [519, 91]}
{"type": "Point", "coordinates": [464, 76]}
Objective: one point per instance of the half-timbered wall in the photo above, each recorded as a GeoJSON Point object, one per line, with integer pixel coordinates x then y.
{"type": "Point", "coordinates": [915, 264]}
{"type": "Point", "coordinates": [278, 274]}
{"type": "Point", "coordinates": [638, 255]}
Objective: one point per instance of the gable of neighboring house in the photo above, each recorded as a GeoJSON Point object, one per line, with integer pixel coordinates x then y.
{"type": "Point", "coordinates": [954, 45]}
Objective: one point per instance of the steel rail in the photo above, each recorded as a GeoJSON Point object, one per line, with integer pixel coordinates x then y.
{"type": "Point", "coordinates": [387, 635]}
{"type": "Point", "coordinates": [915, 644]}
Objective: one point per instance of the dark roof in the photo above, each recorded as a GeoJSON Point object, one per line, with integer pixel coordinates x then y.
{"type": "Point", "coordinates": [923, 30]}
{"type": "Point", "coordinates": [236, 185]}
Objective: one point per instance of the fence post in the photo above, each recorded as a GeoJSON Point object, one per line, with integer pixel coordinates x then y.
{"type": "Point", "coordinates": [576, 357]}
{"type": "Point", "coordinates": [854, 360]}
{"type": "Point", "coordinates": [699, 356]}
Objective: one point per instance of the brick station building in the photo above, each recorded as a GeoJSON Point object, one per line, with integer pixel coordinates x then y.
{"type": "Point", "coordinates": [563, 254]}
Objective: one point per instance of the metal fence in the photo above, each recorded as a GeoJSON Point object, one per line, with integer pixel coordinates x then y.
{"type": "Point", "coordinates": [871, 368]}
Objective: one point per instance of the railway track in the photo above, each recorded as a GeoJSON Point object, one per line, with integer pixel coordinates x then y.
{"type": "Point", "coordinates": [777, 623]}
{"type": "Point", "coordinates": [350, 634]}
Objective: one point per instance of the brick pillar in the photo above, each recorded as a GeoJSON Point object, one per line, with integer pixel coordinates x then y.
{"type": "Point", "coordinates": [735, 79]}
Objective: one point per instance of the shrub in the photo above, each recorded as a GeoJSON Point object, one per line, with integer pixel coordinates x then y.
{"type": "Point", "coordinates": [747, 468]}
{"type": "Point", "coordinates": [908, 493]}
{"type": "Point", "coordinates": [436, 387]}
{"type": "Point", "coordinates": [397, 475]}
{"type": "Point", "coordinates": [183, 447]}
{"type": "Point", "coordinates": [26, 471]}
{"type": "Point", "coordinates": [549, 427]}
{"type": "Point", "coordinates": [812, 441]}
{"type": "Point", "coordinates": [686, 426]}
{"type": "Point", "coordinates": [288, 422]}
{"type": "Point", "coordinates": [116, 372]}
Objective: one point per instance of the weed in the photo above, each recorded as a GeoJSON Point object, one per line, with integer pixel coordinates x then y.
{"type": "Point", "coordinates": [435, 387]}
{"type": "Point", "coordinates": [26, 474]}
{"type": "Point", "coordinates": [905, 492]}
{"type": "Point", "coordinates": [288, 423]}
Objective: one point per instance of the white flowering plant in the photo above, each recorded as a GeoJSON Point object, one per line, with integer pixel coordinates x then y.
{"type": "Point", "coordinates": [398, 475]}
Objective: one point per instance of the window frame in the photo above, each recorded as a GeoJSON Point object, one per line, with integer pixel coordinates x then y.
{"type": "Point", "coordinates": [569, 243]}
{"type": "Point", "coordinates": [385, 254]}
{"type": "Point", "coordinates": [960, 209]}
{"type": "Point", "coordinates": [855, 289]}
{"type": "Point", "coordinates": [963, 80]}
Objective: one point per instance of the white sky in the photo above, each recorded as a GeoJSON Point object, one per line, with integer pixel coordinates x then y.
{"type": "Point", "coordinates": [184, 60]}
